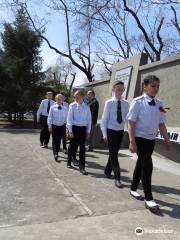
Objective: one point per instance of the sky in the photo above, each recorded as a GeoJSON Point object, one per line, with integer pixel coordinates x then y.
{"type": "Point", "coordinates": [55, 33]}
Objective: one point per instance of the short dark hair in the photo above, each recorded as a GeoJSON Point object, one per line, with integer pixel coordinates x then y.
{"type": "Point", "coordinates": [80, 92]}
{"type": "Point", "coordinates": [149, 79]}
{"type": "Point", "coordinates": [63, 93]}
{"type": "Point", "coordinates": [115, 83]}
{"type": "Point", "coordinates": [92, 91]}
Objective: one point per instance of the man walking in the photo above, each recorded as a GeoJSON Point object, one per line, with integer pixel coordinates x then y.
{"type": "Point", "coordinates": [42, 115]}
{"type": "Point", "coordinates": [112, 126]}
{"type": "Point", "coordinates": [94, 108]}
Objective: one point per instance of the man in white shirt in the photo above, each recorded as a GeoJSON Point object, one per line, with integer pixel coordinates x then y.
{"type": "Point", "coordinates": [64, 136]}
{"type": "Point", "coordinates": [79, 127]}
{"type": "Point", "coordinates": [56, 122]}
{"type": "Point", "coordinates": [145, 117]}
{"type": "Point", "coordinates": [42, 115]}
{"type": "Point", "coordinates": [112, 127]}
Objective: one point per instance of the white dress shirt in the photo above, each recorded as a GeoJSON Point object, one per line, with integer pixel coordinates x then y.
{"type": "Point", "coordinates": [79, 115]}
{"type": "Point", "coordinates": [42, 110]}
{"type": "Point", "coordinates": [57, 116]}
{"type": "Point", "coordinates": [146, 117]}
{"type": "Point", "coordinates": [65, 104]}
{"type": "Point", "coordinates": [109, 116]}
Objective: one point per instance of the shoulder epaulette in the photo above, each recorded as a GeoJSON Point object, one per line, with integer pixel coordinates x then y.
{"type": "Point", "coordinates": [138, 98]}
{"type": "Point", "coordinates": [158, 100]}
{"type": "Point", "coordinates": [109, 100]}
{"type": "Point", "coordinates": [124, 100]}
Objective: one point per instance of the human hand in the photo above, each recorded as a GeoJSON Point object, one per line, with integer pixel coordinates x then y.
{"type": "Point", "coordinates": [167, 144]}
{"type": "Point", "coordinates": [133, 147]}
{"type": "Point", "coordinates": [105, 139]}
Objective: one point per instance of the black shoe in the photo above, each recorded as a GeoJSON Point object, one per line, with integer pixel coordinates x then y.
{"type": "Point", "coordinates": [118, 184]}
{"type": "Point", "coordinates": [155, 209]}
{"type": "Point", "coordinates": [83, 171]}
{"type": "Point", "coordinates": [69, 165]}
{"type": "Point", "coordinates": [108, 175]}
{"type": "Point", "coordinates": [45, 146]}
{"type": "Point", "coordinates": [89, 149]}
{"type": "Point", "coordinates": [56, 157]}
{"type": "Point", "coordinates": [64, 151]}
{"type": "Point", "coordinates": [75, 162]}
{"type": "Point", "coordinates": [137, 197]}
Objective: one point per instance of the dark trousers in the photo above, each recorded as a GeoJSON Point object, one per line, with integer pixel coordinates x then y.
{"type": "Point", "coordinates": [44, 134]}
{"type": "Point", "coordinates": [64, 137]}
{"type": "Point", "coordinates": [78, 140]}
{"type": "Point", "coordinates": [144, 166]}
{"type": "Point", "coordinates": [114, 142]}
{"type": "Point", "coordinates": [90, 142]}
{"type": "Point", "coordinates": [57, 135]}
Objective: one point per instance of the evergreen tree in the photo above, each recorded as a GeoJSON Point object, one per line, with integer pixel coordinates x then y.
{"type": "Point", "coordinates": [20, 65]}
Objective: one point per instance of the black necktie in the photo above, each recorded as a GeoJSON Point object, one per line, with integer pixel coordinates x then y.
{"type": "Point", "coordinates": [119, 114]}
{"type": "Point", "coordinates": [59, 107]}
{"type": "Point", "coordinates": [48, 107]}
{"type": "Point", "coordinates": [152, 102]}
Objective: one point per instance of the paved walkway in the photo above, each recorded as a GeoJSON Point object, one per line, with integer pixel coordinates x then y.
{"type": "Point", "coordinates": [43, 200]}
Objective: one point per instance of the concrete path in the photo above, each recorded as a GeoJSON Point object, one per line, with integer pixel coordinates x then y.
{"type": "Point", "coordinates": [43, 200]}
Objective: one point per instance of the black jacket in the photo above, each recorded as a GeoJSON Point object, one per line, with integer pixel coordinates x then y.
{"type": "Point", "coordinates": [94, 107]}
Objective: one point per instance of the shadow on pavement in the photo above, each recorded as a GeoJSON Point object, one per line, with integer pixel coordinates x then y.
{"type": "Point", "coordinates": [105, 152]}
{"type": "Point", "coordinates": [175, 208]}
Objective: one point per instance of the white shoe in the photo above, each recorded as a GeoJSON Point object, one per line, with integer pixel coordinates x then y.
{"type": "Point", "coordinates": [136, 195]}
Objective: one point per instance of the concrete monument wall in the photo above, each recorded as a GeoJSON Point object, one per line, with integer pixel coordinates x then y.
{"type": "Point", "coordinates": [101, 89]}
{"type": "Point", "coordinates": [132, 71]}
{"type": "Point", "coordinates": [169, 73]}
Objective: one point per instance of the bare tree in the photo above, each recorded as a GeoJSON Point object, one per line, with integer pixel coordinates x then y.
{"type": "Point", "coordinates": [78, 58]}
{"type": "Point", "coordinates": [175, 20]}
{"type": "Point", "coordinates": [111, 30]}
{"type": "Point", "coordinates": [118, 19]}
{"type": "Point", "coordinates": [156, 50]}
{"type": "Point", "coordinates": [163, 2]}
{"type": "Point", "coordinates": [104, 13]}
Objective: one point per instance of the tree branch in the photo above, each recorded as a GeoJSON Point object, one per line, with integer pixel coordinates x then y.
{"type": "Point", "coordinates": [175, 21]}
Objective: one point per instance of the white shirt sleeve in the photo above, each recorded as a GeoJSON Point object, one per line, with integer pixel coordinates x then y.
{"type": "Point", "coordinates": [49, 119]}
{"type": "Point", "coordinates": [89, 120]}
{"type": "Point", "coordinates": [127, 110]}
{"type": "Point", "coordinates": [104, 119]}
{"type": "Point", "coordinates": [39, 111]}
{"type": "Point", "coordinates": [70, 118]}
{"type": "Point", "coordinates": [163, 118]}
{"type": "Point", "coordinates": [133, 111]}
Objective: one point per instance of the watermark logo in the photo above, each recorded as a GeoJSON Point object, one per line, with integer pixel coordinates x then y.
{"type": "Point", "coordinates": [138, 231]}
{"type": "Point", "coordinates": [162, 230]}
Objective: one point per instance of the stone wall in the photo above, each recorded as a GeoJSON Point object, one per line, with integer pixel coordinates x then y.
{"type": "Point", "coordinates": [168, 71]}
{"type": "Point", "coordinates": [101, 89]}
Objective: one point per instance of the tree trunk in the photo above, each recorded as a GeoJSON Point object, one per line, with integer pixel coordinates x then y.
{"type": "Point", "coordinates": [10, 116]}
{"type": "Point", "coordinates": [15, 117]}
